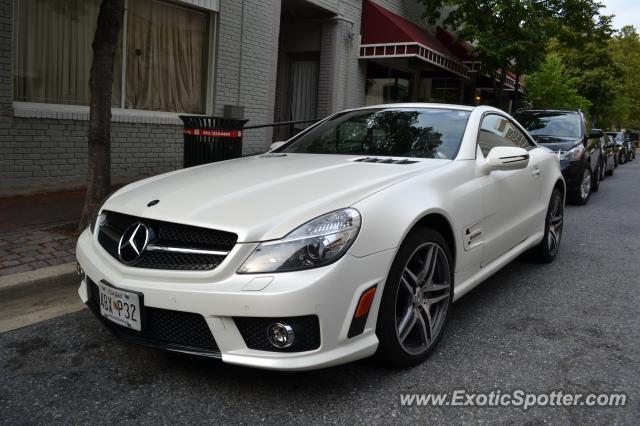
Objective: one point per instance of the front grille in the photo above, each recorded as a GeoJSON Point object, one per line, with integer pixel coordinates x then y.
{"type": "Point", "coordinates": [162, 327]}
{"type": "Point", "coordinates": [254, 332]}
{"type": "Point", "coordinates": [168, 234]}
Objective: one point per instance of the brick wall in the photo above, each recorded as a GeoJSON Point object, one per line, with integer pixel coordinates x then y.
{"type": "Point", "coordinates": [247, 61]}
{"type": "Point", "coordinates": [42, 152]}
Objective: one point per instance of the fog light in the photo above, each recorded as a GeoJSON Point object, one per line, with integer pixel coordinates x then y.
{"type": "Point", "coordinates": [280, 335]}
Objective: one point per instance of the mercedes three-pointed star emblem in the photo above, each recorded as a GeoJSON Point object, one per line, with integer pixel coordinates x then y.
{"type": "Point", "coordinates": [133, 242]}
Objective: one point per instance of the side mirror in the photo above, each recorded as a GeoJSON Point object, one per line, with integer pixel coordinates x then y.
{"type": "Point", "coordinates": [596, 133]}
{"type": "Point", "coordinates": [506, 158]}
{"type": "Point", "coordinates": [276, 145]}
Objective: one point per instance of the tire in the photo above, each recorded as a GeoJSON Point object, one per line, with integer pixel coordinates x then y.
{"type": "Point", "coordinates": [610, 172]}
{"type": "Point", "coordinates": [406, 339]}
{"type": "Point", "coordinates": [595, 180]}
{"type": "Point", "coordinates": [581, 197]}
{"type": "Point", "coordinates": [547, 250]}
{"type": "Point", "coordinates": [602, 167]}
{"type": "Point", "coordinates": [623, 158]}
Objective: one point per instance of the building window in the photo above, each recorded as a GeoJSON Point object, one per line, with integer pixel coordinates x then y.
{"type": "Point", "coordinates": [446, 90]}
{"type": "Point", "coordinates": [386, 85]}
{"type": "Point", "coordinates": [165, 54]}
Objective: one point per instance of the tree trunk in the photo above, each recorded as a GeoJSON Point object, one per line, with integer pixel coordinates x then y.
{"type": "Point", "coordinates": [105, 42]}
{"type": "Point", "coordinates": [503, 79]}
{"type": "Point", "coordinates": [516, 87]}
{"type": "Point", "coordinates": [494, 88]}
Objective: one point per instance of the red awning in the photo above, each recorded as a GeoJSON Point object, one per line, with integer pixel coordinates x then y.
{"type": "Point", "coordinates": [387, 35]}
{"type": "Point", "coordinates": [464, 51]}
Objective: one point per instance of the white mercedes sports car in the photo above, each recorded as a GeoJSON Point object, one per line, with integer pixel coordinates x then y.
{"type": "Point", "coordinates": [351, 239]}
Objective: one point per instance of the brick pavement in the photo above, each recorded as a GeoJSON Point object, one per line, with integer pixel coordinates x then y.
{"type": "Point", "coordinates": [29, 250]}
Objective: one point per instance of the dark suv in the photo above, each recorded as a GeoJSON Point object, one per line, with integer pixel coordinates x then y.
{"type": "Point", "coordinates": [622, 147]}
{"type": "Point", "coordinates": [579, 147]}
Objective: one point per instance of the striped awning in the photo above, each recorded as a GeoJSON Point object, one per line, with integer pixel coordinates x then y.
{"type": "Point", "coordinates": [387, 35]}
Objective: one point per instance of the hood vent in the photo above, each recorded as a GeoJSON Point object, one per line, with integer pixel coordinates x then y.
{"type": "Point", "coordinates": [383, 160]}
{"type": "Point", "coordinates": [272, 155]}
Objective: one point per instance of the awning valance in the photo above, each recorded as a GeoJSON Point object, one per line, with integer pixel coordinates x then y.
{"type": "Point", "coordinates": [387, 35]}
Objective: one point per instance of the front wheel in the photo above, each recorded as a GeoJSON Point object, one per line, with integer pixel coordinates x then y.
{"type": "Point", "coordinates": [581, 197]}
{"type": "Point", "coordinates": [548, 248]}
{"type": "Point", "coordinates": [595, 180]}
{"type": "Point", "coordinates": [416, 300]}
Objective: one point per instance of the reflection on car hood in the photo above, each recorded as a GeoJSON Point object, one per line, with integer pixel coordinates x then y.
{"type": "Point", "coordinates": [557, 143]}
{"type": "Point", "coordinates": [262, 197]}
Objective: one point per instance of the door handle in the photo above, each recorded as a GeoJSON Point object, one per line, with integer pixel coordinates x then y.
{"type": "Point", "coordinates": [536, 171]}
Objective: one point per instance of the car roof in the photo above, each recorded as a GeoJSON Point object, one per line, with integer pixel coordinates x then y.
{"type": "Point", "coordinates": [419, 105]}
{"type": "Point", "coordinates": [537, 111]}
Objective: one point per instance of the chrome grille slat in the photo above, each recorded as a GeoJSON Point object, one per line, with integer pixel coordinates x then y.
{"type": "Point", "coordinates": [153, 247]}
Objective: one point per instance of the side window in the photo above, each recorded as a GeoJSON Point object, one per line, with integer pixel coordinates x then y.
{"type": "Point", "coordinates": [587, 126]}
{"type": "Point", "coordinates": [497, 130]}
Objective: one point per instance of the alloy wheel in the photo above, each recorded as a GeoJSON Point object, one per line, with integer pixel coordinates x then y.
{"type": "Point", "coordinates": [423, 298]}
{"type": "Point", "coordinates": [556, 219]}
{"type": "Point", "coordinates": [585, 186]}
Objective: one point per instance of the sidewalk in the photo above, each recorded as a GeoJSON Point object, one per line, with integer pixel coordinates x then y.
{"type": "Point", "coordinates": [38, 231]}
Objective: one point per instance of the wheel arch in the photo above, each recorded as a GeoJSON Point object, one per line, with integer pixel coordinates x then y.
{"type": "Point", "coordinates": [440, 223]}
{"type": "Point", "coordinates": [562, 186]}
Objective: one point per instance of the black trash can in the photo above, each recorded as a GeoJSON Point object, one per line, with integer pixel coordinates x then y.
{"type": "Point", "coordinates": [208, 139]}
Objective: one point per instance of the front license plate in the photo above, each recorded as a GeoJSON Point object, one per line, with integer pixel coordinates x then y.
{"type": "Point", "coordinates": [120, 306]}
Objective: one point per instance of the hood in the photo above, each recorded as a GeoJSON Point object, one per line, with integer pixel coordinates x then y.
{"type": "Point", "coordinates": [557, 143]}
{"type": "Point", "coordinates": [262, 197]}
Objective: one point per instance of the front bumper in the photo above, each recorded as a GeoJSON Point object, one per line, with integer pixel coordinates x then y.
{"type": "Point", "coordinates": [330, 293]}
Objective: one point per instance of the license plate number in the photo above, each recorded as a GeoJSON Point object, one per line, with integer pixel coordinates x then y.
{"type": "Point", "coordinates": [120, 306]}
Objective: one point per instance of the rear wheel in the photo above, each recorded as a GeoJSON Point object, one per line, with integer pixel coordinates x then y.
{"type": "Point", "coordinates": [548, 248]}
{"type": "Point", "coordinates": [416, 300]}
{"type": "Point", "coordinates": [623, 158]}
{"type": "Point", "coordinates": [610, 172]}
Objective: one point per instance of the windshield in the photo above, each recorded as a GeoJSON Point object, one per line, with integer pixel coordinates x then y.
{"type": "Point", "coordinates": [422, 133]}
{"type": "Point", "coordinates": [617, 136]}
{"type": "Point", "coordinates": [558, 124]}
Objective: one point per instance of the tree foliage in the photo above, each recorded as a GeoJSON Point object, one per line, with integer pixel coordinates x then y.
{"type": "Point", "coordinates": [551, 88]}
{"type": "Point", "coordinates": [513, 35]}
{"type": "Point", "coordinates": [624, 47]}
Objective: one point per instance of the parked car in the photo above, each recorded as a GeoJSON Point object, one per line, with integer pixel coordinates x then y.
{"type": "Point", "coordinates": [634, 137]}
{"type": "Point", "coordinates": [354, 237]}
{"type": "Point", "coordinates": [632, 144]}
{"type": "Point", "coordinates": [608, 156]}
{"type": "Point", "coordinates": [622, 147]}
{"type": "Point", "coordinates": [578, 144]}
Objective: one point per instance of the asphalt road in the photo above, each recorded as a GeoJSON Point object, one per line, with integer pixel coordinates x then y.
{"type": "Point", "coordinates": [571, 326]}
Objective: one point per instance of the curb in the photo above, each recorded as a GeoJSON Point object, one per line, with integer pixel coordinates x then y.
{"type": "Point", "coordinates": [38, 280]}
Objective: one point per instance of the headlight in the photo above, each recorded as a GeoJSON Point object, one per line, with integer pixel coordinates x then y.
{"type": "Point", "coordinates": [317, 243]}
{"type": "Point", "coordinates": [96, 214]}
{"type": "Point", "coordinates": [573, 154]}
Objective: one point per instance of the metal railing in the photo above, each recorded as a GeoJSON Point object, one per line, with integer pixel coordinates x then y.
{"type": "Point", "coordinates": [292, 130]}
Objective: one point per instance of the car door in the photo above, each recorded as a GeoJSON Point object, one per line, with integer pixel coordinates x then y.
{"type": "Point", "coordinates": [511, 199]}
{"type": "Point", "coordinates": [592, 145]}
